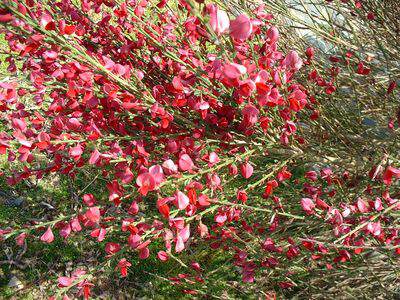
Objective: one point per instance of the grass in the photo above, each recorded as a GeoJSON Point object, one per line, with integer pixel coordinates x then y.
{"type": "Point", "coordinates": [39, 260]}
{"type": "Point", "coordinates": [41, 264]}
{"type": "Point", "coordinates": [44, 263]}
{"type": "Point", "coordinates": [3, 48]}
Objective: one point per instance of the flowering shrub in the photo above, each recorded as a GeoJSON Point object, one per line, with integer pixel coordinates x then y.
{"type": "Point", "coordinates": [201, 129]}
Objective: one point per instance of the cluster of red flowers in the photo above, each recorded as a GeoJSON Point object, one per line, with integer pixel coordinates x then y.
{"type": "Point", "coordinates": [189, 115]}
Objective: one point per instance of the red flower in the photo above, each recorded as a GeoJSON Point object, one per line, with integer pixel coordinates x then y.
{"type": "Point", "coordinates": [270, 188]}
{"type": "Point", "coordinates": [4, 18]}
{"type": "Point", "coordinates": [123, 266]}
{"type": "Point", "coordinates": [146, 183]}
{"type": "Point", "coordinates": [310, 53]}
{"type": "Point", "coordinates": [391, 87]}
{"type": "Point", "coordinates": [284, 174]}
{"type": "Point", "coordinates": [312, 175]}
{"type": "Point", "coordinates": [389, 173]}
{"type": "Point", "coordinates": [112, 248]}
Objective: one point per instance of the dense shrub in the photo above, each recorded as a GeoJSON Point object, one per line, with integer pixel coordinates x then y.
{"type": "Point", "coordinates": [216, 128]}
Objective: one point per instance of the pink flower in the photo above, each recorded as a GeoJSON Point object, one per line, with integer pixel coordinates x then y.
{"type": "Point", "coordinates": [125, 175]}
{"type": "Point", "coordinates": [65, 231]}
{"type": "Point", "coordinates": [112, 248]}
{"type": "Point", "coordinates": [20, 239]}
{"type": "Point", "coordinates": [179, 245]}
{"type": "Point", "coordinates": [162, 255]}
{"type": "Point", "coordinates": [213, 159]}
{"type": "Point", "coordinates": [219, 20]}
{"type": "Point", "coordinates": [146, 183]}
{"type": "Point", "coordinates": [233, 70]}
{"type": "Point", "coordinates": [241, 28]}
{"type": "Point", "coordinates": [182, 201]}
{"type": "Point", "coordinates": [273, 34]}
{"type": "Point", "coordinates": [185, 233]}
{"type": "Point", "coordinates": [220, 218]}
{"type": "Point", "coordinates": [203, 230]}
{"type": "Point", "coordinates": [308, 205]}
{"type": "Point", "coordinates": [310, 52]}
{"type": "Point", "coordinates": [76, 152]}
{"type": "Point", "coordinates": [89, 199]}
{"type": "Point", "coordinates": [250, 115]}
{"type": "Point", "coordinates": [157, 173]}
{"type": "Point", "coordinates": [94, 157]}
{"type": "Point", "coordinates": [64, 281]}
{"type": "Point", "coordinates": [374, 228]}
{"type": "Point", "coordinates": [93, 214]}
{"type": "Point", "coordinates": [362, 206]}
{"type": "Point", "coordinates": [144, 253]}
{"type": "Point", "coordinates": [48, 236]}
{"type": "Point", "coordinates": [169, 167]}
{"type": "Point", "coordinates": [75, 225]}
{"type": "Point", "coordinates": [185, 162]}
{"type": "Point", "coordinates": [99, 233]}
{"type": "Point", "coordinates": [246, 169]}
{"type": "Point", "coordinates": [292, 61]}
